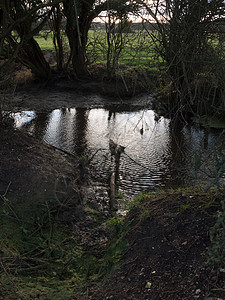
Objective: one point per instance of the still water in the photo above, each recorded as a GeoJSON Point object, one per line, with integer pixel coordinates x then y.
{"type": "Point", "coordinates": [156, 154]}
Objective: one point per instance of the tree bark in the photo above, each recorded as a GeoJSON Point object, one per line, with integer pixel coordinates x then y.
{"type": "Point", "coordinates": [78, 52]}
{"type": "Point", "coordinates": [32, 57]}
{"type": "Point", "coordinates": [78, 41]}
{"type": "Point", "coordinates": [57, 37]}
{"type": "Point", "coordinates": [23, 19]}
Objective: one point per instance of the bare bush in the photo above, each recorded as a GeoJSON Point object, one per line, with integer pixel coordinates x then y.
{"type": "Point", "coordinates": [190, 40]}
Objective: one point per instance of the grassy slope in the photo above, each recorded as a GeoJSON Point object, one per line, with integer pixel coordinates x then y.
{"type": "Point", "coordinates": [169, 253]}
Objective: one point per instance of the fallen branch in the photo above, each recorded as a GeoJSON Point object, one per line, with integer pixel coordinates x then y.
{"type": "Point", "coordinates": [100, 149]}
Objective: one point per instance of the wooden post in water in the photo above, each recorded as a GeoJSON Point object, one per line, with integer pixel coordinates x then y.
{"type": "Point", "coordinates": [112, 187]}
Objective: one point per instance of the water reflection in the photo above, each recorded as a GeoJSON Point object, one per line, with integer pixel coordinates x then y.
{"type": "Point", "coordinates": [178, 150]}
{"type": "Point", "coordinates": [157, 154]}
{"type": "Point", "coordinates": [40, 124]}
{"type": "Point", "coordinates": [81, 128]}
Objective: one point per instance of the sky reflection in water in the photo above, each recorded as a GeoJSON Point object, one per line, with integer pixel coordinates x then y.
{"type": "Point", "coordinates": [156, 154]}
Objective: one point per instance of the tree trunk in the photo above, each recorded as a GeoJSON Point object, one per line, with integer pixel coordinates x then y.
{"type": "Point", "coordinates": [78, 23]}
{"type": "Point", "coordinates": [78, 42]}
{"type": "Point", "coordinates": [32, 57]}
{"type": "Point", "coordinates": [78, 55]}
{"type": "Point", "coordinates": [56, 25]}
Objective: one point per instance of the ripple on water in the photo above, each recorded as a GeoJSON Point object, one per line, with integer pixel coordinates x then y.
{"type": "Point", "coordinates": [159, 157]}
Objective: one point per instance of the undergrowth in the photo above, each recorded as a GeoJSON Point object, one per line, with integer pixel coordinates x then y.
{"type": "Point", "coordinates": [38, 255]}
{"type": "Point", "coordinates": [216, 252]}
{"type": "Point", "coordinates": [41, 257]}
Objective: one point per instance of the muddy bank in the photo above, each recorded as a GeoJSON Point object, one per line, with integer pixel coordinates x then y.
{"type": "Point", "coordinates": [33, 173]}
{"type": "Point", "coordinates": [72, 93]}
{"type": "Point", "coordinates": [52, 97]}
{"type": "Point", "coordinates": [167, 249]}
{"type": "Point", "coordinates": [30, 168]}
{"type": "Point", "coordinates": [42, 213]}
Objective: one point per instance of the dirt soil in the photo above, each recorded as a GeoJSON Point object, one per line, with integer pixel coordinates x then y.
{"type": "Point", "coordinates": [69, 93]}
{"type": "Point", "coordinates": [57, 95]}
{"type": "Point", "coordinates": [29, 167]}
{"type": "Point", "coordinates": [166, 246]}
{"type": "Point", "coordinates": [166, 252]}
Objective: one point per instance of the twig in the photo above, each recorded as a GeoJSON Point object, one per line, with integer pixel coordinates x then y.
{"type": "Point", "coordinates": [6, 191]}
{"type": "Point", "coordinates": [50, 225]}
{"type": "Point", "coordinates": [5, 200]}
{"type": "Point", "coordinates": [32, 268]}
{"type": "Point", "coordinates": [100, 149]}
{"type": "Point", "coordinates": [55, 193]}
{"type": "Point", "coordinates": [6, 272]}
{"type": "Point", "coordinates": [64, 151]}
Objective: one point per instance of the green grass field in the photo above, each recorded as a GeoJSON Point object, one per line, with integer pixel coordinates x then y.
{"type": "Point", "coordinates": [45, 41]}
{"type": "Point", "coordinates": [137, 47]}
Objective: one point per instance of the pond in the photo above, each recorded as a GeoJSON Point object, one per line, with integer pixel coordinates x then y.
{"type": "Point", "coordinates": [157, 154]}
